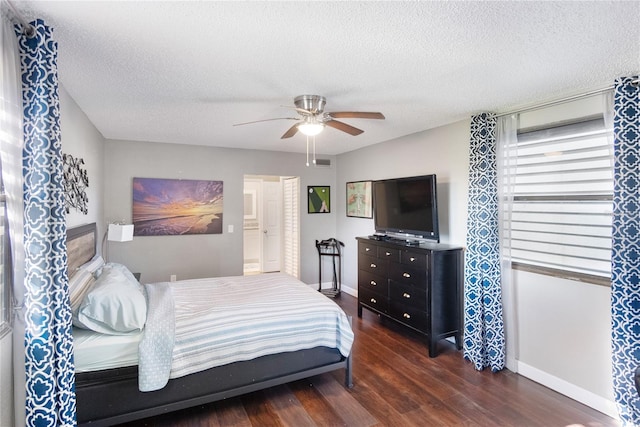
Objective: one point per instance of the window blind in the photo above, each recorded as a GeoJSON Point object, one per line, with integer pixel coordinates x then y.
{"type": "Point", "coordinates": [562, 188]}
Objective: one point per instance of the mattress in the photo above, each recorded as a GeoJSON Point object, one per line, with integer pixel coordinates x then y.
{"type": "Point", "coordinates": [197, 324]}
{"type": "Point", "coordinates": [94, 351]}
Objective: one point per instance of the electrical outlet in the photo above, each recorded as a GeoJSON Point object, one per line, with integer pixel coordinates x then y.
{"type": "Point", "coordinates": [172, 278]}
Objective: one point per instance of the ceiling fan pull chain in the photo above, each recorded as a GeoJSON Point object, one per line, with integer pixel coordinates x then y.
{"type": "Point", "coordinates": [314, 149]}
{"type": "Point", "coordinates": [307, 151]}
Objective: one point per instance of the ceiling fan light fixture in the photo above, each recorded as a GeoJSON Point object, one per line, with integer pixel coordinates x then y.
{"type": "Point", "coordinates": [310, 129]}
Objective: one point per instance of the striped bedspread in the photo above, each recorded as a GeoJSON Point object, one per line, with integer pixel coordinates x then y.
{"type": "Point", "coordinates": [198, 324]}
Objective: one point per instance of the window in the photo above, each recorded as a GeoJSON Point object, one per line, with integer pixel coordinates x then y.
{"type": "Point", "coordinates": [562, 190]}
{"type": "Point", "coordinates": [5, 263]}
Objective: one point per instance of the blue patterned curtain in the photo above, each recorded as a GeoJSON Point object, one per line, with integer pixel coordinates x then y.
{"type": "Point", "coordinates": [625, 255]}
{"type": "Point", "coordinates": [49, 367]}
{"type": "Point", "coordinates": [484, 342]}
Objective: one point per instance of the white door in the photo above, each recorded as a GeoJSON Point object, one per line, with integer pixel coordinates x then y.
{"type": "Point", "coordinates": [271, 229]}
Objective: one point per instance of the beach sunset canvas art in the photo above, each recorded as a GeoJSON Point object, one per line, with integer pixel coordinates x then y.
{"type": "Point", "coordinates": [164, 207]}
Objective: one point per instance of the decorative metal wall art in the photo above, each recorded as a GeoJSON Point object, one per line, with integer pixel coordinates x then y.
{"type": "Point", "coordinates": [76, 182]}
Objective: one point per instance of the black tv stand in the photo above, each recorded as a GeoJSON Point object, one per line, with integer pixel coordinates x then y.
{"type": "Point", "coordinates": [419, 286]}
{"type": "Point", "coordinates": [395, 240]}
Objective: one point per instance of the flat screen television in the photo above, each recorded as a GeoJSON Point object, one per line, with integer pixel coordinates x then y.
{"type": "Point", "coordinates": [406, 207]}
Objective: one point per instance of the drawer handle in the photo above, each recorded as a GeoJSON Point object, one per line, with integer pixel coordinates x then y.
{"type": "Point", "coordinates": [373, 265]}
{"type": "Point", "coordinates": [373, 282]}
{"type": "Point", "coordinates": [406, 295]}
{"type": "Point", "coordinates": [367, 249]}
{"type": "Point", "coordinates": [373, 300]}
{"type": "Point", "coordinates": [407, 275]}
{"type": "Point", "coordinates": [406, 316]}
{"type": "Point", "coordinates": [412, 259]}
{"type": "Point", "coordinates": [387, 253]}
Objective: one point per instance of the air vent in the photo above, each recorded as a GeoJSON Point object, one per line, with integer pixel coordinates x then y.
{"type": "Point", "coordinates": [323, 163]}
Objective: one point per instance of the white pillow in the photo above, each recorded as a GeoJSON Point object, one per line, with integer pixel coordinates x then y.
{"type": "Point", "coordinates": [116, 304]}
{"type": "Point", "coordinates": [94, 265]}
{"type": "Point", "coordinates": [79, 285]}
{"type": "Point", "coordinates": [81, 282]}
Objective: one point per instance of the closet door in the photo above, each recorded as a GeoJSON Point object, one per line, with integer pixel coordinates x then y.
{"type": "Point", "coordinates": [291, 226]}
{"type": "Point", "coordinates": [271, 226]}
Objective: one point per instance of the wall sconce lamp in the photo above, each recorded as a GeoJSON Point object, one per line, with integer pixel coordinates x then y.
{"type": "Point", "coordinates": [116, 233]}
{"type": "Point", "coordinates": [120, 232]}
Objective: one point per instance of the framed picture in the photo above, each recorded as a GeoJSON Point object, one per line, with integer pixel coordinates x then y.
{"type": "Point", "coordinates": [169, 207]}
{"type": "Point", "coordinates": [319, 199]}
{"type": "Point", "coordinates": [359, 199]}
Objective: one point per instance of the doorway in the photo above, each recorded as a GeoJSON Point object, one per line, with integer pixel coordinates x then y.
{"type": "Point", "coordinates": [271, 224]}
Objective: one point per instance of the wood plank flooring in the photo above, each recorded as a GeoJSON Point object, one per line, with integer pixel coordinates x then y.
{"type": "Point", "coordinates": [395, 384]}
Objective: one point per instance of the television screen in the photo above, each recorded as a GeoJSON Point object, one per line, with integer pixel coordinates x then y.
{"type": "Point", "coordinates": [406, 206]}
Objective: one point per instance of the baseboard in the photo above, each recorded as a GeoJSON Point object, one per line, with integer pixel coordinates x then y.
{"type": "Point", "coordinates": [346, 289]}
{"type": "Point", "coordinates": [581, 395]}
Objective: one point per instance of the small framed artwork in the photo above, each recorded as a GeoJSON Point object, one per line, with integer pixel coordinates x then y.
{"type": "Point", "coordinates": [319, 199]}
{"type": "Point", "coordinates": [359, 199]}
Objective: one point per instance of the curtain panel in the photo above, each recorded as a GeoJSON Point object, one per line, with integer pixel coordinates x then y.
{"type": "Point", "coordinates": [484, 342]}
{"type": "Point", "coordinates": [11, 144]}
{"type": "Point", "coordinates": [49, 367]}
{"type": "Point", "coordinates": [625, 253]}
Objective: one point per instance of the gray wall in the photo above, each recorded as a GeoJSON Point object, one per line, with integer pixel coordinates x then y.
{"type": "Point", "coordinates": [443, 151]}
{"type": "Point", "coordinates": [194, 256]}
{"type": "Point", "coordinates": [558, 330]}
{"type": "Point", "coordinates": [82, 140]}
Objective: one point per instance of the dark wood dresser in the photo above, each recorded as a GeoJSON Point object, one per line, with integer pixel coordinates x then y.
{"type": "Point", "coordinates": [419, 286]}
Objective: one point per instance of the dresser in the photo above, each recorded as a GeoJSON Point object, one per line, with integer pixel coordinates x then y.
{"type": "Point", "coordinates": [419, 286]}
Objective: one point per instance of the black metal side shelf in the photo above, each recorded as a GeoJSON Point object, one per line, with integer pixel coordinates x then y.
{"type": "Point", "coordinates": [330, 248]}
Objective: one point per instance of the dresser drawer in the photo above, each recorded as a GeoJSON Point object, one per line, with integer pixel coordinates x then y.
{"type": "Point", "coordinates": [409, 295]}
{"type": "Point", "coordinates": [372, 282]}
{"type": "Point", "coordinates": [366, 248]}
{"type": "Point", "coordinates": [414, 259]}
{"type": "Point", "coordinates": [372, 265]}
{"type": "Point", "coordinates": [409, 316]}
{"type": "Point", "coordinates": [390, 254]}
{"type": "Point", "coordinates": [404, 274]}
{"type": "Point", "coordinates": [373, 300]}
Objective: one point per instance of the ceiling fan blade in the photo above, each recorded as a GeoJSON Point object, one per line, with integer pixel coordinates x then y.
{"type": "Point", "coordinates": [292, 131]}
{"type": "Point", "coordinates": [343, 127]}
{"type": "Point", "coordinates": [266, 120]}
{"type": "Point", "coordinates": [356, 115]}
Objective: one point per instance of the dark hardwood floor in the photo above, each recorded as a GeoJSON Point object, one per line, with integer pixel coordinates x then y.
{"type": "Point", "coordinates": [395, 384]}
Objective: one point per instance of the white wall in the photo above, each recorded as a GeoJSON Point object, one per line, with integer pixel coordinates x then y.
{"type": "Point", "coordinates": [193, 256]}
{"type": "Point", "coordinates": [6, 381]}
{"type": "Point", "coordinates": [558, 331]}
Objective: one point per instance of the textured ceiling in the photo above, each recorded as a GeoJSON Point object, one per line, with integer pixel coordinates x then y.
{"type": "Point", "coordinates": [185, 72]}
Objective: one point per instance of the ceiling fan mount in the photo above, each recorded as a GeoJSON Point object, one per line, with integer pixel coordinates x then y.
{"type": "Point", "coordinates": [313, 104]}
{"type": "Point", "coordinates": [313, 118]}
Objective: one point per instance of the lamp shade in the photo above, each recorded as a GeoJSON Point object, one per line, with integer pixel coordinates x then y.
{"type": "Point", "coordinates": [310, 129]}
{"type": "Point", "coordinates": [120, 232]}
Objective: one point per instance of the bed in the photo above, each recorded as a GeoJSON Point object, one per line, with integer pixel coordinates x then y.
{"type": "Point", "coordinates": [193, 359]}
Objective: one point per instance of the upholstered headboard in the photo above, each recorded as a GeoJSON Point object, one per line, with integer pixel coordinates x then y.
{"type": "Point", "coordinates": [81, 246]}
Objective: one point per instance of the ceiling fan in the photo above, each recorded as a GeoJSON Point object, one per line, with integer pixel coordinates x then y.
{"type": "Point", "coordinates": [313, 118]}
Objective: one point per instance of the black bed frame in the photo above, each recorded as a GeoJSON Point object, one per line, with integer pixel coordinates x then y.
{"type": "Point", "coordinates": [109, 397]}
